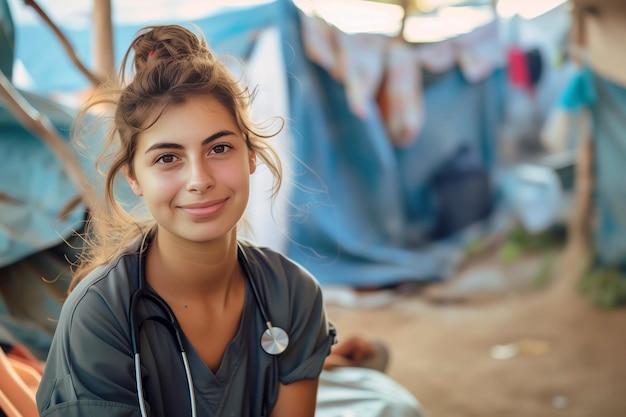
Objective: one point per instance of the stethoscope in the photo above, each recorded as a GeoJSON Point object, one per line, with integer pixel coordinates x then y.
{"type": "Point", "coordinates": [274, 340]}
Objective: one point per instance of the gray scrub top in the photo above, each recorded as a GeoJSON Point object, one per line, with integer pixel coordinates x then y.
{"type": "Point", "coordinates": [90, 367]}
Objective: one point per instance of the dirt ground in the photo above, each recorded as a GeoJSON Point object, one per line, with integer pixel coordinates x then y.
{"type": "Point", "coordinates": [517, 351]}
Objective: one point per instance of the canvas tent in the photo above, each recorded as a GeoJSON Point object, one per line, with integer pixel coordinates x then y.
{"type": "Point", "coordinates": [362, 211]}
{"type": "Point", "coordinates": [360, 206]}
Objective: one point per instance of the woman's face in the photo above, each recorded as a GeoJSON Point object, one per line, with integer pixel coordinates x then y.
{"type": "Point", "coordinates": [193, 170]}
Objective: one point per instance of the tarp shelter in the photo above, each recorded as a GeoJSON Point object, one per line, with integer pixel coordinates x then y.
{"type": "Point", "coordinates": [599, 88]}
{"type": "Point", "coordinates": [366, 203]}
{"type": "Point", "coordinates": [35, 197]}
{"type": "Point", "coordinates": [367, 206]}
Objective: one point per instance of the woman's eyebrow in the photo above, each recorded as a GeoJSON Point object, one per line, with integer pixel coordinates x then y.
{"type": "Point", "coordinates": [170, 145]}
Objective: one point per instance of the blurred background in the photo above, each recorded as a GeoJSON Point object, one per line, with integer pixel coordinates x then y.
{"type": "Point", "coordinates": [452, 178]}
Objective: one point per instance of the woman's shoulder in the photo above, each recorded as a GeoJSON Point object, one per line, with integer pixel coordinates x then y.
{"type": "Point", "coordinates": [106, 288]}
{"type": "Point", "coordinates": [273, 263]}
{"type": "Point", "coordinates": [111, 275]}
{"type": "Point", "coordinates": [278, 277]}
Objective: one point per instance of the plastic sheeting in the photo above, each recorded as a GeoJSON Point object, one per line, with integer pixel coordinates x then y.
{"type": "Point", "coordinates": [362, 392]}
{"type": "Point", "coordinates": [372, 221]}
{"type": "Point", "coordinates": [360, 211]}
{"type": "Point", "coordinates": [606, 102]}
{"type": "Point", "coordinates": [36, 210]}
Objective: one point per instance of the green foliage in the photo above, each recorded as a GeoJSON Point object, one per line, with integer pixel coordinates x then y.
{"type": "Point", "coordinates": [605, 287]}
{"type": "Point", "coordinates": [510, 251]}
{"type": "Point", "coordinates": [546, 244]}
{"type": "Point", "coordinates": [474, 247]}
{"type": "Point", "coordinates": [543, 276]}
{"type": "Point", "coordinates": [520, 241]}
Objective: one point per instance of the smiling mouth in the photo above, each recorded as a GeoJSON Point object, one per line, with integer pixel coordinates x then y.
{"type": "Point", "coordinates": [203, 209]}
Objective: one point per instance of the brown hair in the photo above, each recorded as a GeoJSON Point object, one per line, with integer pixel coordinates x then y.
{"type": "Point", "coordinates": [169, 64]}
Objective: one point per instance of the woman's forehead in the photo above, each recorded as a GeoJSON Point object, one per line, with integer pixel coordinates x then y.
{"type": "Point", "coordinates": [197, 117]}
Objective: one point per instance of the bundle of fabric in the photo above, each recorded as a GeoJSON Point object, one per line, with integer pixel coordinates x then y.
{"type": "Point", "coordinates": [20, 374]}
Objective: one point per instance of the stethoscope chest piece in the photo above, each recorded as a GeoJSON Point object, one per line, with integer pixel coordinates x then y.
{"type": "Point", "coordinates": [274, 340]}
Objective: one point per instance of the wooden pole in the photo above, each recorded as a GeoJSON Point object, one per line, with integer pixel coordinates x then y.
{"type": "Point", "coordinates": [405, 7]}
{"type": "Point", "coordinates": [95, 80]}
{"type": "Point", "coordinates": [103, 39]}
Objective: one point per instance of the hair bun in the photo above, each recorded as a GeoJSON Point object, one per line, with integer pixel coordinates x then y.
{"type": "Point", "coordinates": [165, 43]}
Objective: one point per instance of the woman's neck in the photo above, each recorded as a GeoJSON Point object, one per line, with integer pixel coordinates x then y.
{"type": "Point", "coordinates": [184, 271]}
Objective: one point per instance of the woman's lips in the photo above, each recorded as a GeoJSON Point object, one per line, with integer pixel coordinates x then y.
{"type": "Point", "coordinates": [203, 209]}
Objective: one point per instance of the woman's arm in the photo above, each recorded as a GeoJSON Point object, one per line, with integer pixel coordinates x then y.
{"type": "Point", "coordinates": [297, 399]}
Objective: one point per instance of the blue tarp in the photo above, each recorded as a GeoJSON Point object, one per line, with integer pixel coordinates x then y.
{"type": "Point", "coordinates": [375, 216]}
{"type": "Point", "coordinates": [606, 101]}
{"type": "Point", "coordinates": [35, 193]}
{"type": "Point", "coordinates": [37, 211]}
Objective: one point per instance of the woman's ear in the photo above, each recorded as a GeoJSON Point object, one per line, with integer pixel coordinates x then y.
{"type": "Point", "coordinates": [134, 184]}
{"type": "Point", "coordinates": [252, 158]}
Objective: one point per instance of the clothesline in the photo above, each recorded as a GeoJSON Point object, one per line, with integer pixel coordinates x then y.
{"type": "Point", "coordinates": [379, 67]}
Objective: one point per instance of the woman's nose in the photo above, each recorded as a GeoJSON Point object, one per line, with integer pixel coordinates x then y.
{"type": "Point", "coordinates": [200, 177]}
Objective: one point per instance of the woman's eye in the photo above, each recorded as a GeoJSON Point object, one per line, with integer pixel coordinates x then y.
{"type": "Point", "coordinates": [166, 159]}
{"type": "Point", "coordinates": [220, 149]}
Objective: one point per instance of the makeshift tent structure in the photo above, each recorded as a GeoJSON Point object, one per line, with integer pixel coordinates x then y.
{"type": "Point", "coordinates": [38, 212]}
{"type": "Point", "coordinates": [363, 210]}
{"type": "Point", "coordinates": [373, 198]}
{"type": "Point", "coordinates": [598, 90]}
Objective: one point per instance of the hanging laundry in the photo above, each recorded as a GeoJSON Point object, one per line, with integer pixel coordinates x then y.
{"type": "Point", "coordinates": [437, 57]}
{"type": "Point", "coordinates": [480, 52]}
{"type": "Point", "coordinates": [362, 61]}
{"type": "Point", "coordinates": [518, 68]}
{"type": "Point", "coordinates": [401, 97]}
{"type": "Point", "coordinates": [355, 60]}
{"type": "Point", "coordinates": [525, 68]}
{"type": "Point", "coordinates": [320, 44]}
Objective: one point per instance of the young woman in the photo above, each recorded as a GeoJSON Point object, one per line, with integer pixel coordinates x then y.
{"type": "Point", "coordinates": [174, 315]}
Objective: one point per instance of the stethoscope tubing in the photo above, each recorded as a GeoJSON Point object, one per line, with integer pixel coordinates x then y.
{"type": "Point", "coordinates": [142, 401]}
{"type": "Point", "coordinates": [274, 340]}
{"type": "Point", "coordinates": [170, 324]}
